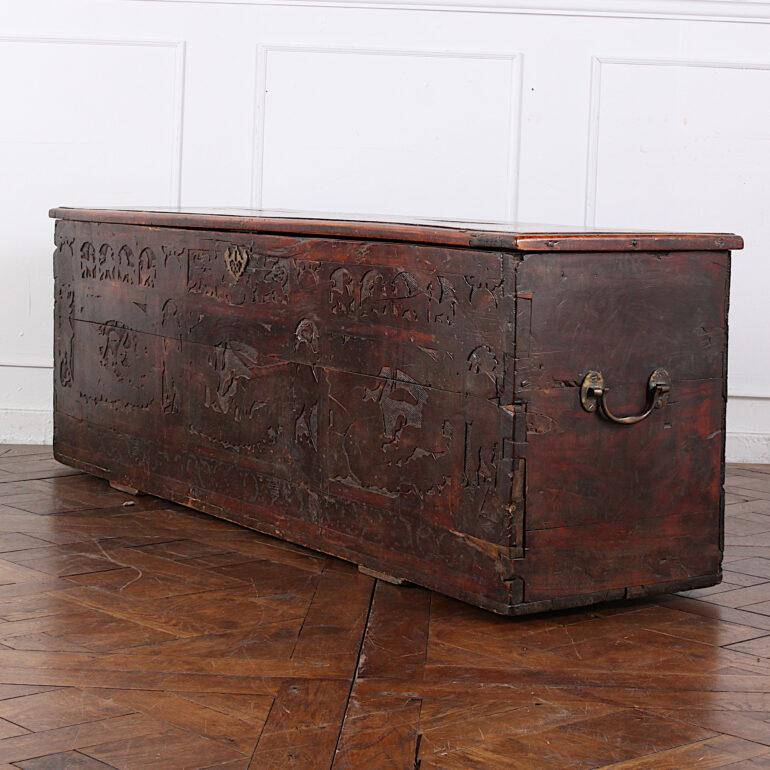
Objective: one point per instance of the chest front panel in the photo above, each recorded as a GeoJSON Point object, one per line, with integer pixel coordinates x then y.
{"type": "Point", "coordinates": [364, 383]}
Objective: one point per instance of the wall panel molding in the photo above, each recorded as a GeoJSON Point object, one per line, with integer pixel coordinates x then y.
{"type": "Point", "coordinates": [737, 11]}
{"type": "Point", "coordinates": [179, 48]}
{"type": "Point", "coordinates": [175, 187]}
{"type": "Point", "coordinates": [229, 138]}
{"type": "Point", "coordinates": [594, 110]}
{"type": "Point", "coordinates": [515, 117]}
{"type": "Point", "coordinates": [743, 444]}
{"type": "Point", "coordinates": [22, 365]}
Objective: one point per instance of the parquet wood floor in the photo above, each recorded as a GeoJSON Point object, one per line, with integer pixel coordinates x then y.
{"type": "Point", "coordinates": [138, 634]}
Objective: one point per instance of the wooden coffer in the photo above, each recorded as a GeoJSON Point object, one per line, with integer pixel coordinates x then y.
{"type": "Point", "coordinates": [454, 405]}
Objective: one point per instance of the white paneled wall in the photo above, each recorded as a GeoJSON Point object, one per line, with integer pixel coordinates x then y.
{"type": "Point", "coordinates": [392, 134]}
{"type": "Point", "coordinates": [614, 112]}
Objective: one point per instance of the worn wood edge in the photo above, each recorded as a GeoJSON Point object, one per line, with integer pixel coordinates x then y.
{"type": "Point", "coordinates": [629, 243]}
{"type": "Point", "coordinates": [412, 233]}
{"type": "Point", "coordinates": [514, 607]}
{"type": "Point", "coordinates": [512, 587]}
{"type": "Point", "coordinates": [725, 357]}
{"type": "Point", "coordinates": [358, 230]}
{"type": "Point", "coordinates": [396, 581]}
{"type": "Point", "coordinates": [128, 490]}
{"type": "Point", "coordinates": [616, 594]}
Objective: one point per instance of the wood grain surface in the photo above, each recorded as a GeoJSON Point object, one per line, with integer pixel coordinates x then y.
{"type": "Point", "coordinates": [484, 235]}
{"type": "Point", "coordinates": [411, 408]}
{"type": "Point", "coordinates": [137, 634]}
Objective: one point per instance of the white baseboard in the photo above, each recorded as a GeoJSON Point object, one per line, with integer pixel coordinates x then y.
{"type": "Point", "coordinates": [26, 426]}
{"type": "Point", "coordinates": [748, 448]}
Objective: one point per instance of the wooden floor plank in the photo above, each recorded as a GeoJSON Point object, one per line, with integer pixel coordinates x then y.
{"type": "Point", "coordinates": [65, 760]}
{"type": "Point", "coordinates": [396, 641]}
{"type": "Point", "coordinates": [303, 726]}
{"type": "Point", "coordinates": [137, 634]}
{"type": "Point", "coordinates": [37, 744]}
{"type": "Point", "coordinates": [167, 749]}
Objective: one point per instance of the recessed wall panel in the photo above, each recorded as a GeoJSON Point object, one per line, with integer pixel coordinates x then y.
{"type": "Point", "coordinates": [686, 145]}
{"type": "Point", "coordinates": [83, 123]}
{"type": "Point", "coordinates": [388, 132]}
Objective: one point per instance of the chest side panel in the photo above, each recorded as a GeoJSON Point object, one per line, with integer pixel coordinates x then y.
{"type": "Point", "coordinates": [347, 394]}
{"type": "Point", "coordinates": [612, 506]}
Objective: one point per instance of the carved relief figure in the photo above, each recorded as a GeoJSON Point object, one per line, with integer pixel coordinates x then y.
{"type": "Point", "coordinates": [394, 298]}
{"type": "Point", "coordinates": [306, 335]}
{"type": "Point", "coordinates": [401, 401]}
{"type": "Point", "coordinates": [307, 274]}
{"type": "Point", "coordinates": [201, 278]}
{"type": "Point", "coordinates": [239, 274]}
{"type": "Point", "coordinates": [401, 296]}
{"type": "Point", "coordinates": [306, 426]}
{"type": "Point", "coordinates": [123, 378]}
{"type": "Point", "coordinates": [118, 263]}
{"type": "Point", "coordinates": [404, 287]}
{"type": "Point", "coordinates": [483, 287]}
{"type": "Point", "coordinates": [168, 314]}
{"type": "Point", "coordinates": [65, 247]}
{"type": "Point", "coordinates": [234, 364]}
{"type": "Point", "coordinates": [442, 301]}
{"type": "Point", "coordinates": [395, 444]}
{"type": "Point", "coordinates": [65, 310]}
{"type": "Point", "coordinates": [342, 297]}
{"type": "Point", "coordinates": [87, 260]}
{"type": "Point", "coordinates": [106, 263]}
{"type": "Point", "coordinates": [147, 267]}
{"type": "Point", "coordinates": [236, 258]}
{"type": "Point", "coordinates": [124, 270]}
{"type": "Point", "coordinates": [483, 367]}
{"type": "Point", "coordinates": [373, 294]}
{"type": "Point", "coordinates": [173, 252]}
{"type": "Point", "coordinates": [65, 305]}
{"type": "Point", "coordinates": [275, 277]}
{"type": "Point", "coordinates": [118, 341]}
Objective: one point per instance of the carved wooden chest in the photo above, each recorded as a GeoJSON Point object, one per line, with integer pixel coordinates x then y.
{"type": "Point", "coordinates": [522, 419]}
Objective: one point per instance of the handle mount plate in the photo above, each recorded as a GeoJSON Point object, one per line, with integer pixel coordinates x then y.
{"type": "Point", "coordinates": [593, 396]}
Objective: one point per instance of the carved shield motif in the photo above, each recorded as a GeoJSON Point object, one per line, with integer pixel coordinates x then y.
{"type": "Point", "coordinates": [236, 259]}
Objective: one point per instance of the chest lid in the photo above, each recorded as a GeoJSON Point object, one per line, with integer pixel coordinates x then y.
{"type": "Point", "coordinates": [444, 232]}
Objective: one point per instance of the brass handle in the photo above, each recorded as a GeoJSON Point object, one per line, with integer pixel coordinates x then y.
{"type": "Point", "coordinates": [593, 396]}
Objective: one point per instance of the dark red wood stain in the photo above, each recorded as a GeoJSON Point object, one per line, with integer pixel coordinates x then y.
{"type": "Point", "coordinates": [406, 396]}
